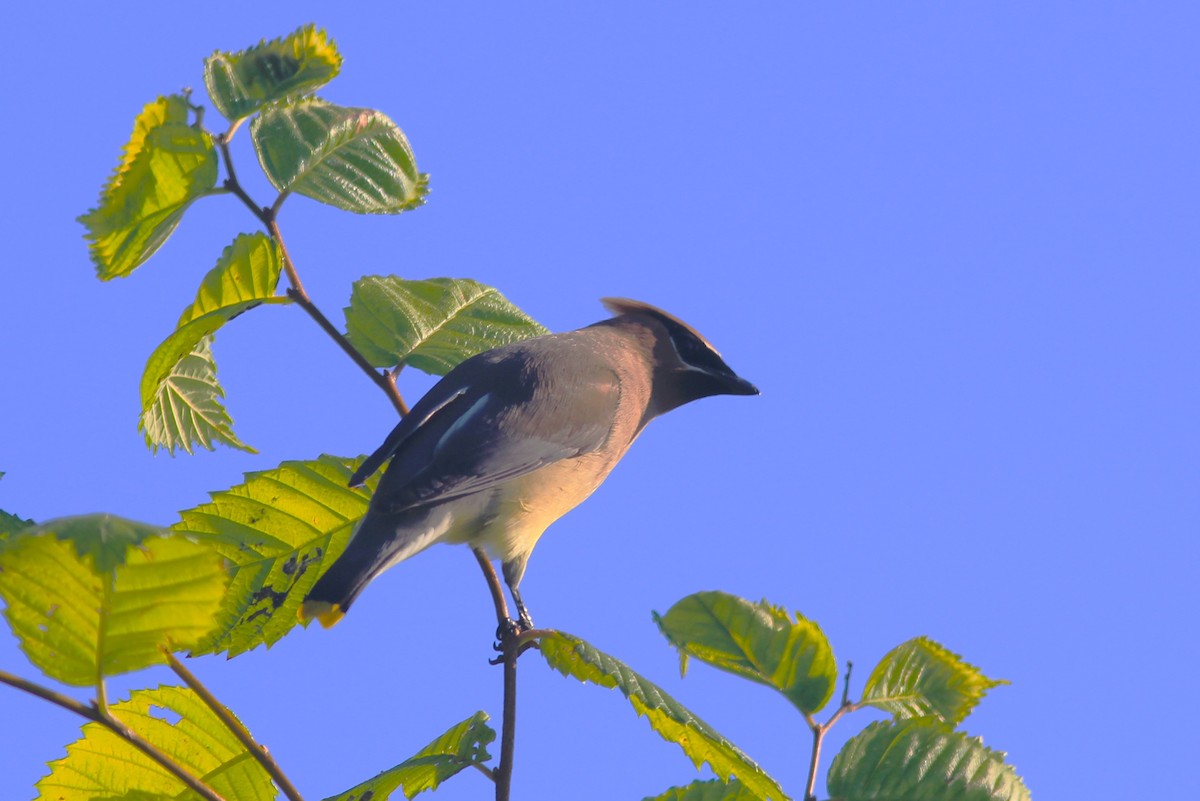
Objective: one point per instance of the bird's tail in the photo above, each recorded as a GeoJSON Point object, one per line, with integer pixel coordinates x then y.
{"type": "Point", "coordinates": [378, 544]}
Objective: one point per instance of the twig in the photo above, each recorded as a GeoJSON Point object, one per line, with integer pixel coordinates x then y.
{"type": "Point", "coordinates": [256, 749]}
{"type": "Point", "coordinates": [296, 291]}
{"type": "Point", "coordinates": [510, 647]}
{"type": "Point", "coordinates": [104, 718]}
{"type": "Point", "coordinates": [819, 731]}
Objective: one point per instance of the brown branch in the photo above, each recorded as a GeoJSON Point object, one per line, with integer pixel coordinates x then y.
{"type": "Point", "coordinates": [104, 718]}
{"type": "Point", "coordinates": [267, 216]}
{"type": "Point", "coordinates": [510, 648]}
{"type": "Point", "coordinates": [235, 726]}
{"type": "Point", "coordinates": [819, 731]}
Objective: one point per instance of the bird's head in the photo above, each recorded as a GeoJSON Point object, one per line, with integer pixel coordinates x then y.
{"type": "Point", "coordinates": [686, 367]}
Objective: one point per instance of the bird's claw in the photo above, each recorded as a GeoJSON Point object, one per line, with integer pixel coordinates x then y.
{"type": "Point", "coordinates": [506, 633]}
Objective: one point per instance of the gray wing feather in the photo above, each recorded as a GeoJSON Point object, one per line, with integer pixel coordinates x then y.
{"type": "Point", "coordinates": [498, 417]}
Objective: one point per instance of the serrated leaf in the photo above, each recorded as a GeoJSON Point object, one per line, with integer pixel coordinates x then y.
{"type": "Point", "coordinates": [186, 408]}
{"type": "Point", "coordinates": [921, 678]}
{"type": "Point", "coordinates": [353, 158]}
{"type": "Point", "coordinates": [460, 747]}
{"type": "Point", "coordinates": [10, 523]}
{"type": "Point", "coordinates": [277, 529]}
{"type": "Point", "coordinates": [757, 641]}
{"type": "Point", "coordinates": [711, 790]}
{"type": "Point", "coordinates": [248, 269]}
{"type": "Point", "coordinates": [181, 399]}
{"type": "Point", "coordinates": [433, 324]}
{"type": "Point", "coordinates": [97, 595]}
{"type": "Point", "coordinates": [164, 168]}
{"type": "Point", "coordinates": [101, 765]}
{"type": "Point", "coordinates": [921, 759]}
{"type": "Point", "coordinates": [297, 64]}
{"type": "Point", "coordinates": [675, 723]}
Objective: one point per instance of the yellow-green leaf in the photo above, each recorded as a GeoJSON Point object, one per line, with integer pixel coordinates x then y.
{"type": "Point", "coordinates": [757, 641]}
{"type": "Point", "coordinates": [432, 324]}
{"type": "Point", "coordinates": [675, 723]}
{"type": "Point", "coordinates": [276, 530]}
{"type": "Point", "coordinates": [101, 765]}
{"type": "Point", "coordinates": [921, 678]}
{"type": "Point", "coordinates": [297, 64]}
{"type": "Point", "coordinates": [711, 790]}
{"type": "Point", "coordinates": [355, 159]}
{"type": "Point", "coordinates": [460, 747]}
{"type": "Point", "coordinates": [97, 595]}
{"type": "Point", "coordinates": [921, 759]}
{"type": "Point", "coordinates": [166, 165]}
{"type": "Point", "coordinates": [181, 399]}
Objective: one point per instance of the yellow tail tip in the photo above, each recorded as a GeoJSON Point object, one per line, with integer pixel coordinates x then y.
{"type": "Point", "coordinates": [326, 613]}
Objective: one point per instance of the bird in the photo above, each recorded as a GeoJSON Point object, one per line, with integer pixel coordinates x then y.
{"type": "Point", "coordinates": [511, 439]}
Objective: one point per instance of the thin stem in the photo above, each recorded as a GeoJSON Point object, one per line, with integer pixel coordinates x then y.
{"type": "Point", "coordinates": [510, 647]}
{"type": "Point", "coordinates": [493, 582]}
{"type": "Point", "coordinates": [267, 216]}
{"type": "Point", "coordinates": [256, 749]}
{"type": "Point", "coordinates": [97, 715]}
{"type": "Point", "coordinates": [818, 733]}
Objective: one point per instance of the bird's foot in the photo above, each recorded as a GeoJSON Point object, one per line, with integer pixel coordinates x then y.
{"type": "Point", "coordinates": [506, 632]}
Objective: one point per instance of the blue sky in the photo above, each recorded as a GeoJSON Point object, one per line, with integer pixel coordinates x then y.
{"type": "Point", "coordinates": [956, 248]}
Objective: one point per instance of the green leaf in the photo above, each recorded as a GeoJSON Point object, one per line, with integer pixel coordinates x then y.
{"type": "Point", "coordinates": [297, 64]}
{"type": "Point", "coordinates": [572, 656]}
{"type": "Point", "coordinates": [921, 678]}
{"type": "Point", "coordinates": [462, 746]}
{"type": "Point", "coordinates": [181, 399]}
{"type": "Point", "coordinates": [432, 324]}
{"type": "Point", "coordinates": [101, 765]}
{"type": "Point", "coordinates": [353, 158]}
{"type": "Point", "coordinates": [921, 759]}
{"type": "Point", "coordinates": [165, 167]}
{"type": "Point", "coordinates": [277, 530]}
{"type": "Point", "coordinates": [247, 270]}
{"type": "Point", "coordinates": [711, 790]}
{"type": "Point", "coordinates": [10, 523]}
{"type": "Point", "coordinates": [98, 595]}
{"type": "Point", "coordinates": [757, 641]}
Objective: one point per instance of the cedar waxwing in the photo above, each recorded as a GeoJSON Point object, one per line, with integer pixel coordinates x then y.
{"type": "Point", "coordinates": [512, 439]}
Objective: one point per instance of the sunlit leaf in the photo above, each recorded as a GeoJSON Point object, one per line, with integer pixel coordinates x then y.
{"type": "Point", "coordinates": [181, 399]}
{"type": "Point", "coordinates": [921, 678]}
{"type": "Point", "coordinates": [921, 759]}
{"type": "Point", "coordinates": [462, 746]}
{"type": "Point", "coordinates": [572, 656]}
{"type": "Point", "coordinates": [248, 269]}
{"type": "Point", "coordinates": [711, 790]}
{"type": "Point", "coordinates": [166, 165]}
{"type": "Point", "coordinates": [102, 765]}
{"type": "Point", "coordinates": [297, 64]}
{"type": "Point", "coordinates": [432, 324]}
{"type": "Point", "coordinates": [757, 641]}
{"type": "Point", "coordinates": [277, 529]}
{"type": "Point", "coordinates": [97, 595]}
{"type": "Point", "coordinates": [353, 158]}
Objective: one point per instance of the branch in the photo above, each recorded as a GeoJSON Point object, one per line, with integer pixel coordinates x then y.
{"type": "Point", "coordinates": [267, 216]}
{"type": "Point", "coordinates": [102, 716]}
{"type": "Point", "coordinates": [256, 749]}
{"type": "Point", "coordinates": [510, 648]}
{"type": "Point", "coordinates": [820, 730]}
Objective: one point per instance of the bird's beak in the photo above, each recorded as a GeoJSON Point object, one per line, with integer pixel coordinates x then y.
{"type": "Point", "coordinates": [736, 385]}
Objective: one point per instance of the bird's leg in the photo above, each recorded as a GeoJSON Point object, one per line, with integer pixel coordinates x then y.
{"type": "Point", "coordinates": [524, 621]}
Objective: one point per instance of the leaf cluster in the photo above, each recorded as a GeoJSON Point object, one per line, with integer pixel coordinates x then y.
{"type": "Point", "coordinates": [96, 596]}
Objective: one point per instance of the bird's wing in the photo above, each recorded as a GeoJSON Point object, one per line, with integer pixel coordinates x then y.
{"type": "Point", "coordinates": [495, 420]}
